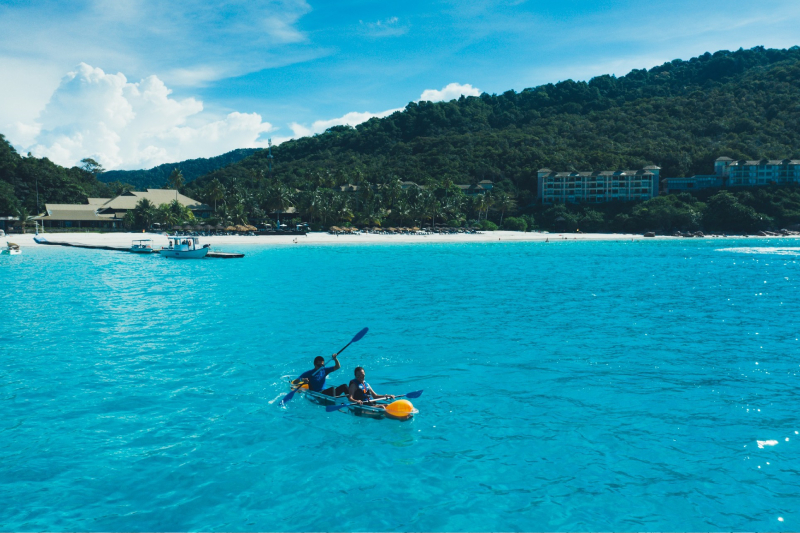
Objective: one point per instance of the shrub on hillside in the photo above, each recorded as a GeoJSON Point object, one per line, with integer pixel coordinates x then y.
{"type": "Point", "coordinates": [488, 225]}
{"type": "Point", "coordinates": [515, 224]}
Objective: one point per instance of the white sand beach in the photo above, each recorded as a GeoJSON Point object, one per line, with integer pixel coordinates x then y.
{"type": "Point", "coordinates": [223, 242]}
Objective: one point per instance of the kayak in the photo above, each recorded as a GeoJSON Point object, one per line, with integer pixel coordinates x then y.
{"type": "Point", "coordinates": [366, 411]}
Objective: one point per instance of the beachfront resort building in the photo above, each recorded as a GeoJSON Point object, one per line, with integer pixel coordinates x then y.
{"type": "Point", "coordinates": [107, 213]}
{"type": "Point", "coordinates": [598, 187]}
{"type": "Point", "coordinates": [742, 173]}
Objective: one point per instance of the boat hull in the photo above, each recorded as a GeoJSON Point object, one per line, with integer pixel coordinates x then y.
{"type": "Point", "coordinates": [365, 411]}
{"type": "Point", "coordinates": [10, 252]}
{"type": "Point", "coordinates": [185, 254]}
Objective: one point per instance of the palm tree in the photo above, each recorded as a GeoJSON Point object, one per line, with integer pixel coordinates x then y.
{"type": "Point", "coordinates": [215, 191]}
{"type": "Point", "coordinates": [176, 180]}
{"type": "Point", "coordinates": [504, 202]}
{"type": "Point", "coordinates": [489, 201]}
{"type": "Point", "coordinates": [144, 213]}
{"type": "Point", "coordinates": [238, 214]}
{"type": "Point", "coordinates": [165, 215]}
{"type": "Point", "coordinates": [24, 217]}
{"type": "Point", "coordinates": [479, 204]}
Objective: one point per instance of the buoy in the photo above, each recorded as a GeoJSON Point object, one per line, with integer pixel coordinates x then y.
{"type": "Point", "coordinates": [400, 409]}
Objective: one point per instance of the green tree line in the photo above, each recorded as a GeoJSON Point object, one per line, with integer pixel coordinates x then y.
{"type": "Point", "coordinates": [681, 116]}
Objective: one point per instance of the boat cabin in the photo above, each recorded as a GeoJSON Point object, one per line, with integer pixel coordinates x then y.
{"type": "Point", "coordinates": [183, 244]}
{"type": "Point", "coordinates": [142, 244]}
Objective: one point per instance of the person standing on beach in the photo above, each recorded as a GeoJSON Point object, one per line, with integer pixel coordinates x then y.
{"type": "Point", "coordinates": [315, 378]}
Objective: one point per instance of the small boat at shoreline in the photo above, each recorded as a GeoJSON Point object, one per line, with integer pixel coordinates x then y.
{"type": "Point", "coordinates": [142, 246]}
{"type": "Point", "coordinates": [366, 411]}
{"type": "Point", "coordinates": [185, 248]}
{"type": "Point", "coordinates": [11, 249]}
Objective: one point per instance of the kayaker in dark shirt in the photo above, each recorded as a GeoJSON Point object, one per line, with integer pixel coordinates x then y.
{"type": "Point", "coordinates": [360, 392]}
{"type": "Point", "coordinates": [316, 377]}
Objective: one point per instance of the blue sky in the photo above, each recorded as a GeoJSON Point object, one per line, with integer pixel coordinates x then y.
{"type": "Point", "coordinates": [136, 83]}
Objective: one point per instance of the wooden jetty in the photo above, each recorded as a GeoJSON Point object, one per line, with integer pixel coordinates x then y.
{"type": "Point", "coordinates": [212, 255]}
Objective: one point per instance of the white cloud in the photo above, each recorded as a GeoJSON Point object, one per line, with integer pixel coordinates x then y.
{"type": "Point", "coordinates": [196, 40]}
{"type": "Point", "coordinates": [130, 125]}
{"type": "Point", "coordinates": [450, 92]}
{"type": "Point", "coordinates": [24, 90]}
{"type": "Point", "coordinates": [351, 119]}
{"type": "Point", "coordinates": [384, 28]}
{"type": "Point", "coordinates": [354, 118]}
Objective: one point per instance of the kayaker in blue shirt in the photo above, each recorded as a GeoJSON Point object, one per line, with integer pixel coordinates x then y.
{"type": "Point", "coordinates": [316, 377]}
{"type": "Point", "coordinates": [360, 392]}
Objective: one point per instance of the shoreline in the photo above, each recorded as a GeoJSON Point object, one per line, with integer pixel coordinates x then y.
{"type": "Point", "coordinates": [123, 240]}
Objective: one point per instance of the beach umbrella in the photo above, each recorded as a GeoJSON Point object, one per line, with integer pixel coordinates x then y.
{"type": "Point", "coordinates": [415, 228]}
{"type": "Point", "coordinates": [207, 227]}
{"type": "Point", "coordinates": [176, 227]}
{"type": "Point", "coordinates": [230, 228]}
{"type": "Point", "coordinates": [239, 227]}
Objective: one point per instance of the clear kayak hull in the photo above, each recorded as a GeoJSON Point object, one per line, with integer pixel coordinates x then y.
{"type": "Point", "coordinates": [366, 411]}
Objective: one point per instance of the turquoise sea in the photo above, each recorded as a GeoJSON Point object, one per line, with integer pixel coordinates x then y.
{"type": "Point", "coordinates": [568, 386]}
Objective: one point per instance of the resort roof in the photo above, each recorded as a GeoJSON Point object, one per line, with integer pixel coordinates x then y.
{"type": "Point", "coordinates": [129, 199]}
{"type": "Point", "coordinates": [71, 212]}
{"type": "Point", "coordinates": [744, 162]}
{"type": "Point", "coordinates": [602, 173]}
{"type": "Point", "coordinates": [97, 201]}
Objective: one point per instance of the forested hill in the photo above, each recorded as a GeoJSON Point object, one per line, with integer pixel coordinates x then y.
{"type": "Point", "coordinates": [191, 169]}
{"type": "Point", "coordinates": [680, 115]}
{"type": "Point", "coordinates": [20, 177]}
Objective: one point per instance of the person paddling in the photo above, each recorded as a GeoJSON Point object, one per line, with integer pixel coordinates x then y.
{"type": "Point", "coordinates": [360, 392]}
{"type": "Point", "coordinates": [316, 377]}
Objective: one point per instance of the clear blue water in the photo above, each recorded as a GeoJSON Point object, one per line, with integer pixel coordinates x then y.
{"type": "Point", "coordinates": [568, 386]}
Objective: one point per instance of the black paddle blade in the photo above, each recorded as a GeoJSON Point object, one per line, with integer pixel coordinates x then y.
{"type": "Point", "coordinates": [415, 394]}
{"type": "Point", "coordinates": [360, 335]}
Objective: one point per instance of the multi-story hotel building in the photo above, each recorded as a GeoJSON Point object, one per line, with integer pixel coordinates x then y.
{"type": "Point", "coordinates": [764, 172]}
{"type": "Point", "coordinates": [743, 173]}
{"type": "Point", "coordinates": [598, 187]}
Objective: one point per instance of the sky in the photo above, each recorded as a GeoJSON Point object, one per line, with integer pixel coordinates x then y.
{"type": "Point", "coordinates": [137, 83]}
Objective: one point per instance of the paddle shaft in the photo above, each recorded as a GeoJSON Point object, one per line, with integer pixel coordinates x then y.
{"type": "Point", "coordinates": [416, 394]}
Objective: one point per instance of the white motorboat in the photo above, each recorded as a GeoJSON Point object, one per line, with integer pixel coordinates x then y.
{"type": "Point", "coordinates": [11, 249]}
{"type": "Point", "coordinates": [142, 246]}
{"type": "Point", "coordinates": [185, 248]}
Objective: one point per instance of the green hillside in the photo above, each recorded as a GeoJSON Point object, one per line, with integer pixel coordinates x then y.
{"type": "Point", "coordinates": [191, 169]}
{"type": "Point", "coordinates": [680, 115]}
{"type": "Point", "coordinates": [20, 177]}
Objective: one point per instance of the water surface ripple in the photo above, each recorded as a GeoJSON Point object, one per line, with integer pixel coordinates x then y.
{"type": "Point", "coordinates": [568, 386]}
